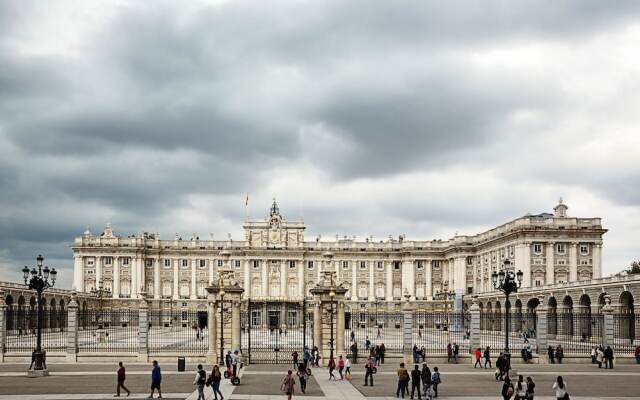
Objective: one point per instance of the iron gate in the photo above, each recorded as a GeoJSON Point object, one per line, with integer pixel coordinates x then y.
{"type": "Point", "coordinates": [272, 331]}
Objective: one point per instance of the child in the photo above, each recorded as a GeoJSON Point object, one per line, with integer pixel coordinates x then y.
{"type": "Point", "coordinates": [435, 381]}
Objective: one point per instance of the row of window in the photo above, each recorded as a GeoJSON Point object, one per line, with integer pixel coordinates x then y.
{"type": "Point", "coordinates": [561, 248]}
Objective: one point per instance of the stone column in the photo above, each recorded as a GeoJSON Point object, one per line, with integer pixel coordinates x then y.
{"type": "Point", "coordinates": [428, 280]}
{"type": "Point", "coordinates": [407, 333]}
{"type": "Point", "coordinates": [542, 329]}
{"type": "Point", "coordinates": [340, 329]}
{"type": "Point", "coordinates": [142, 276]}
{"type": "Point", "coordinates": [319, 263]}
{"type": "Point", "coordinates": [372, 285]}
{"type": "Point", "coordinates": [354, 281]}
{"type": "Point", "coordinates": [551, 270]}
{"type": "Point", "coordinates": [143, 328]}
{"type": "Point", "coordinates": [597, 261]}
{"type": "Point", "coordinates": [389, 281]}
{"type": "Point", "coordinates": [235, 324]}
{"type": "Point", "coordinates": [475, 279]}
{"type": "Point", "coordinates": [408, 278]}
{"type": "Point", "coordinates": [573, 262]}
{"type": "Point", "coordinates": [474, 339]}
{"type": "Point", "coordinates": [72, 329]}
{"type": "Point", "coordinates": [194, 280]}
{"type": "Point", "coordinates": [78, 273]}
{"type": "Point", "coordinates": [451, 275]}
{"type": "Point", "coordinates": [283, 278]}
{"type": "Point", "coordinates": [247, 278]}
{"type": "Point", "coordinates": [211, 277]}
{"type": "Point", "coordinates": [301, 285]}
{"type": "Point", "coordinates": [212, 326]}
{"type": "Point", "coordinates": [265, 278]}
{"type": "Point", "coordinates": [98, 270]}
{"type": "Point", "coordinates": [116, 277]}
{"type": "Point", "coordinates": [176, 277]}
{"type": "Point", "coordinates": [3, 326]}
{"type": "Point", "coordinates": [317, 325]}
{"type": "Point", "coordinates": [607, 328]}
{"type": "Point", "coordinates": [133, 265]}
{"type": "Point", "coordinates": [157, 292]}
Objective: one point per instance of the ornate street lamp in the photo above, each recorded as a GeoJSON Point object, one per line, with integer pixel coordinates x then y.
{"type": "Point", "coordinates": [101, 292]}
{"type": "Point", "coordinates": [446, 296]}
{"type": "Point", "coordinates": [41, 279]}
{"type": "Point", "coordinates": [507, 281]}
{"type": "Point", "coordinates": [221, 292]}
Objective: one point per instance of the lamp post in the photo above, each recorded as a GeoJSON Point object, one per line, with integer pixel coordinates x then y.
{"type": "Point", "coordinates": [221, 292]}
{"type": "Point", "coordinates": [507, 281]}
{"type": "Point", "coordinates": [39, 281]}
{"type": "Point", "coordinates": [446, 296]}
{"type": "Point", "coordinates": [101, 292]}
{"type": "Point", "coordinates": [332, 296]}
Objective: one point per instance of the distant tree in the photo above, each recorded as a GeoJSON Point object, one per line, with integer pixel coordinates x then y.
{"type": "Point", "coordinates": [634, 268]}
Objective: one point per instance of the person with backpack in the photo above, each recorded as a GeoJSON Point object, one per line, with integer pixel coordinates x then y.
{"type": "Point", "coordinates": [332, 366]}
{"type": "Point", "coordinates": [341, 367]}
{"type": "Point", "coordinates": [478, 354]}
{"type": "Point", "coordinates": [561, 389]}
{"type": "Point", "coordinates": [199, 381]}
{"type": "Point", "coordinates": [416, 381]}
{"type": "Point", "coordinates": [487, 357]}
{"type": "Point", "coordinates": [288, 383]}
{"type": "Point", "coordinates": [369, 372]}
{"type": "Point", "coordinates": [435, 381]}
{"type": "Point", "coordinates": [121, 378]}
{"type": "Point", "coordinates": [403, 381]}
{"type": "Point", "coordinates": [302, 377]}
{"type": "Point", "coordinates": [507, 389]}
{"type": "Point", "coordinates": [305, 357]}
{"type": "Point", "coordinates": [214, 381]}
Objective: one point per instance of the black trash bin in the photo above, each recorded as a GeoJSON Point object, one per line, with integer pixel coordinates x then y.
{"type": "Point", "coordinates": [181, 364]}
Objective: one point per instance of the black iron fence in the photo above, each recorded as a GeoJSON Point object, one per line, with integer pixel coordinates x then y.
{"type": "Point", "coordinates": [575, 332]}
{"type": "Point", "coordinates": [434, 331]}
{"type": "Point", "coordinates": [625, 332]}
{"type": "Point", "coordinates": [21, 330]}
{"type": "Point", "coordinates": [108, 330]}
{"type": "Point", "coordinates": [183, 331]}
{"type": "Point", "coordinates": [374, 328]}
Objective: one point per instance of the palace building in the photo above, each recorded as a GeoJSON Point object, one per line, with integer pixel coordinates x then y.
{"type": "Point", "coordinates": [275, 262]}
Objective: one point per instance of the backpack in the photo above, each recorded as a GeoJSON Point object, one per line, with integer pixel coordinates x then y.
{"type": "Point", "coordinates": [202, 377]}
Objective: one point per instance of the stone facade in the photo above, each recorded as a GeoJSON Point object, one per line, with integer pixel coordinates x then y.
{"type": "Point", "coordinates": [274, 261]}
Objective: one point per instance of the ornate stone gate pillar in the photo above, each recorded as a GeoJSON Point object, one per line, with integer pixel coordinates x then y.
{"type": "Point", "coordinates": [340, 329]}
{"type": "Point", "coordinates": [3, 331]}
{"type": "Point", "coordinates": [328, 297]}
{"type": "Point", "coordinates": [212, 326]}
{"type": "Point", "coordinates": [226, 293]}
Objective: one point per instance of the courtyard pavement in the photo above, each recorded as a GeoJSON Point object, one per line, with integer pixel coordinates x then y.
{"type": "Point", "coordinates": [262, 382]}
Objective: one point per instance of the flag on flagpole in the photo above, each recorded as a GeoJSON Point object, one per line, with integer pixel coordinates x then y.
{"type": "Point", "coordinates": [246, 200]}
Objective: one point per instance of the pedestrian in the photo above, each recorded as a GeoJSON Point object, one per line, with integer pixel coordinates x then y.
{"type": "Point", "coordinates": [376, 353]}
{"type": "Point", "coordinates": [637, 354]}
{"type": "Point", "coordinates": [416, 358]}
{"type": "Point", "coordinates": [347, 366]}
{"type": "Point", "coordinates": [369, 372]}
{"type": "Point", "coordinates": [530, 388]}
{"type": "Point", "coordinates": [520, 389]}
{"type": "Point", "coordinates": [383, 349]}
{"type": "Point", "coordinates": [353, 336]}
{"type": "Point", "coordinates": [500, 366]}
{"type": "Point", "coordinates": [507, 389]}
{"type": "Point", "coordinates": [302, 376]}
{"type": "Point", "coordinates": [332, 366]}
{"type": "Point", "coordinates": [551, 355]}
{"type": "Point", "coordinates": [593, 355]}
{"type": "Point", "coordinates": [416, 381]}
{"type": "Point", "coordinates": [341, 366]}
{"type": "Point", "coordinates": [367, 344]}
{"type": "Point", "coordinates": [199, 381]}
{"type": "Point", "coordinates": [354, 352]}
{"type": "Point", "coordinates": [435, 381]}
{"type": "Point", "coordinates": [235, 361]}
{"type": "Point", "coordinates": [559, 354]}
{"type": "Point", "coordinates": [156, 379]}
{"type": "Point", "coordinates": [214, 381]}
{"type": "Point", "coordinates": [403, 381]}
{"type": "Point", "coordinates": [561, 389]}
{"type": "Point", "coordinates": [227, 362]}
{"type": "Point", "coordinates": [121, 376]}
{"type": "Point", "coordinates": [456, 352]}
{"type": "Point", "coordinates": [599, 356]}
{"type": "Point", "coordinates": [478, 355]}
{"type": "Point", "coordinates": [487, 357]}
{"type": "Point", "coordinates": [294, 356]}
{"type": "Point", "coordinates": [449, 352]}
{"type": "Point", "coordinates": [608, 357]}
{"type": "Point", "coordinates": [33, 358]}
{"type": "Point", "coordinates": [425, 375]}
{"type": "Point", "coordinates": [288, 384]}
{"type": "Point", "coordinates": [306, 357]}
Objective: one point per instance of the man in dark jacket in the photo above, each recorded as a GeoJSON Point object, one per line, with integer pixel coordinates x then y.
{"type": "Point", "coordinates": [354, 352]}
{"type": "Point", "coordinates": [426, 377]}
{"type": "Point", "coordinates": [416, 380]}
{"type": "Point", "coordinates": [382, 351]}
{"type": "Point", "coordinates": [608, 357]}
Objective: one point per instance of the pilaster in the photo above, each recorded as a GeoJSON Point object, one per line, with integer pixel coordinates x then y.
{"type": "Point", "coordinates": [474, 339]}
{"type": "Point", "coordinates": [3, 326]}
{"type": "Point", "coordinates": [340, 328]}
{"type": "Point", "coordinates": [116, 277]}
{"type": "Point", "coordinates": [607, 328]}
{"type": "Point", "coordinates": [550, 272]}
{"type": "Point", "coordinates": [407, 333]}
{"type": "Point", "coordinates": [541, 328]}
{"type": "Point", "coordinates": [72, 328]}
{"type": "Point", "coordinates": [573, 262]}
{"type": "Point", "coordinates": [235, 324]}
{"type": "Point", "coordinates": [143, 328]}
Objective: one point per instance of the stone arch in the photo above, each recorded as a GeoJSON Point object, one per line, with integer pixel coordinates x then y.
{"type": "Point", "coordinates": [626, 317]}
{"type": "Point", "coordinates": [531, 320]}
{"type": "Point", "coordinates": [8, 300]}
{"type": "Point", "coordinates": [552, 317]}
{"type": "Point", "coordinates": [53, 316]}
{"type": "Point", "coordinates": [584, 317]}
{"type": "Point", "coordinates": [497, 324]}
{"type": "Point", "coordinates": [566, 325]}
{"type": "Point", "coordinates": [62, 315]}
{"type": "Point", "coordinates": [517, 316]}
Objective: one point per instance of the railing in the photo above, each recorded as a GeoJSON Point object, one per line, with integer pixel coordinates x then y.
{"type": "Point", "coordinates": [21, 334]}
{"type": "Point", "coordinates": [183, 331]}
{"type": "Point", "coordinates": [625, 332]}
{"type": "Point", "coordinates": [376, 327]}
{"type": "Point", "coordinates": [435, 331]}
{"type": "Point", "coordinates": [108, 331]}
{"type": "Point", "coordinates": [575, 332]}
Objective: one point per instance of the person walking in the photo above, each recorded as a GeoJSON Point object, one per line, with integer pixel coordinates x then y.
{"type": "Point", "coordinates": [199, 381]}
{"type": "Point", "coordinates": [500, 365]}
{"type": "Point", "coordinates": [294, 357]}
{"type": "Point", "coordinates": [156, 379]}
{"type": "Point", "coordinates": [354, 352]}
{"type": "Point", "coordinates": [369, 372]}
{"type": "Point", "coordinates": [341, 367]}
{"type": "Point", "coordinates": [214, 381]}
{"type": "Point", "coordinates": [478, 355]}
{"type": "Point", "coordinates": [121, 376]}
{"type": "Point", "coordinates": [383, 349]}
{"type": "Point", "coordinates": [305, 357]}
{"type": "Point", "coordinates": [608, 357]}
{"type": "Point", "coordinates": [353, 336]}
{"type": "Point", "coordinates": [288, 383]}
{"type": "Point", "coordinates": [456, 352]}
{"type": "Point", "coordinates": [332, 366]}
{"type": "Point", "coordinates": [403, 380]}
{"type": "Point", "coordinates": [435, 381]}
{"type": "Point", "coordinates": [593, 355]}
{"type": "Point", "coordinates": [637, 354]}
{"type": "Point", "coordinates": [599, 356]}
{"type": "Point", "coordinates": [507, 389]}
{"type": "Point", "coordinates": [227, 362]}
{"type": "Point", "coordinates": [416, 381]}
{"type": "Point", "coordinates": [530, 388]}
{"type": "Point", "coordinates": [449, 352]}
{"type": "Point", "coordinates": [560, 387]}
{"type": "Point", "coordinates": [302, 376]}
{"type": "Point", "coordinates": [347, 367]}
{"type": "Point", "coordinates": [487, 357]}
{"type": "Point", "coordinates": [367, 344]}
{"type": "Point", "coordinates": [559, 354]}
{"type": "Point", "coordinates": [425, 375]}
{"type": "Point", "coordinates": [551, 355]}
{"type": "Point", "coordinates": [520, 389]}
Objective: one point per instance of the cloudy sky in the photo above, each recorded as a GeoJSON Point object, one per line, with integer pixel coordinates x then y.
{"type": "Point", "coordinates": [365, 117]}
